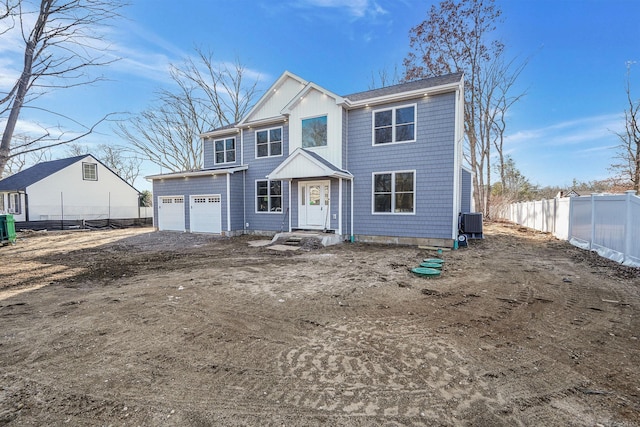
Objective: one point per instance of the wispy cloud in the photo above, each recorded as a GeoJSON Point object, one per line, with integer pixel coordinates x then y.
{"type": "Point", "coordinates": [356, 8]}
{"type": "Point", "coordinates": [581, 131]}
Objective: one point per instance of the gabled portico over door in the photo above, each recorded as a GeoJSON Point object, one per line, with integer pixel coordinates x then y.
{"type": "Point", "coordinates": [314, 208]}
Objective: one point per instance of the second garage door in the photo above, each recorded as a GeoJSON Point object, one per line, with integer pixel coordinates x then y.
{"type": "Point", "coordinates": [206, 214]}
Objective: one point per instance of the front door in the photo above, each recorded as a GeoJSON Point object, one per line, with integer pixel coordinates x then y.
{"type": "Point", "coordinates": [314, 203]}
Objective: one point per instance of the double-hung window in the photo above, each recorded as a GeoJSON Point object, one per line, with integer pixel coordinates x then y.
{"type": "Point", "coordinates": [268, 196]}
{"type": "Point", "coordinates": [394, 192]}
{"type": "Point", "coordinates": [14, 203]}
{"type": "Point", "coordinates": [225, 150]}
{"type": "Point", "coordinates": [393, 125]}
{"type": "Point", "coordinates": [90, 171]}
{"type": "Point", "coordinates": [269, 142]}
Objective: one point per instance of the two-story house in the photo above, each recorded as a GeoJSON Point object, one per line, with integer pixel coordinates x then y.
{"type": "Point", "coordinates": [382, 165]}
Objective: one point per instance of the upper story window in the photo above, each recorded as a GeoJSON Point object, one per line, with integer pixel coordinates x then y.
{"type": "Point", "coordinates": [1, 203]}
{"type": "Point", "coordinates": [394, 125]}
{"type": "Point", "coordinates": [225, 150]}
{"type": "Point", "coordinates": [90, 171]}
{"type": "Point", "coordinates": [314, 132]}
{"type": "Point", "coordinates": [269, 142]}
{"type": "Point", "coordinates": [394, 192]}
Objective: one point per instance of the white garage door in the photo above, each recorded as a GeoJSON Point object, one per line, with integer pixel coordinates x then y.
{"type": "Point", "coordinates": [171, 213]}
{"type": "Point", "coordinates": [206, 214]}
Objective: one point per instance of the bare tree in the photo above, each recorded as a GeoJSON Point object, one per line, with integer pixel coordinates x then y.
{"type": "Point", "coordinates": [628, 156]}
{"type": "Point", "coordinates": [115, 157]}
{"type": "Point", "coordinates": [384, 78]}
{"type": "Point", "coordinates": [19, 162]}
{"type": "Point", "coordinates": [456, 36]}
{"type": "Point", "coordinates": [208, 95]}
{"type": "Point", "coordinates": [59, 46]}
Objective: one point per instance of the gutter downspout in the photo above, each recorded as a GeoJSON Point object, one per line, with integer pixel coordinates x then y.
{"type": "Point", "coordinates": [352, 238]}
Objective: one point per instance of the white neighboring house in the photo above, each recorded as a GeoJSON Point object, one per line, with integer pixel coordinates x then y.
{"type": "Point", "coordinates": [74, 188]}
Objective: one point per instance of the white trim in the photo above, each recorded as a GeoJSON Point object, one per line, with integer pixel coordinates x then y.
{"type": "Point", "coordinates": [255, 195]}
{"type": "Point", "coordinates": [302, 119]}
{"type": "Point", "coordinates": [228, 203]}
{"type": "Point", "coordinates": [235, 149]}
{"type": "Point", "coordinates": [393, 192]}
{"type": "Point", "coordinates": [272, 89]}
{"type": "Point", "coordinates": [401, 96]}
{"type": "Point", "coordinates": [340, 206]}
{"type": "Point", "coordinates": [289, 212]}
{"type": "Point", "coordinates": [216, 133]}
{"type": "Point", "coordinates": [204, 172]}
{"type": "Point", "coordinates": [300, 96]}
{"type": "Point", "coordinates": [255, 142]}
{"type": "Point", "coordinates": [457, 161]}
{"type": "Point", "coordinates": [325, 171]}
{"type": "Point", "coordinates": [241, 147]}
{"type": "Point", "coordinates": [394, 125]}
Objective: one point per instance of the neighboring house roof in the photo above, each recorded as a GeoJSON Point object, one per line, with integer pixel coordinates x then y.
{"type": "Point", "coordinates": [21, 180]}
{"type": "Point", "coordinates": [29, 176]}
{"type": "Point", "coordinates": [417, 85]}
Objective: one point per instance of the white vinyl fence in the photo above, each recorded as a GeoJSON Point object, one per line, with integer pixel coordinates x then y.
{"type": "Point", "coordinates": [607, 224]}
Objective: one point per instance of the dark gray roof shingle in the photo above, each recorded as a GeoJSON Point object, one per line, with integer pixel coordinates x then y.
{"type": "Point", "coordinates": [23, 179]}
{"type": "Point", "coordinates": [406, 87]}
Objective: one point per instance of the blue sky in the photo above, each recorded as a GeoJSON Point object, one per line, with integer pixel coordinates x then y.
{"type": "Point", "coordinates": [562, 129]}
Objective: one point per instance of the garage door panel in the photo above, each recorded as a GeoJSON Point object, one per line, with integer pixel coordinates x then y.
{"type": "Point", "coordinates": [171, 213]}
{"type": "Point", "coordinates": [205, 213]}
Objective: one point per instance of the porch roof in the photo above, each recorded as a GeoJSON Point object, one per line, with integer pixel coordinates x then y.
{"type": "Point", "coordinates": [306, 164]}
{"type": "Point", "coordinates": [200, 172]}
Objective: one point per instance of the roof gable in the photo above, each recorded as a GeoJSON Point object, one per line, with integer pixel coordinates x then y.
{"type": "Point", "coordinates": [29, 176]}
{"type": "Point", "coordinates": [275, 98]}
{"type": "Point", "coordinates": [304, 92]}
{"type": "Point", "coordinates": [306, 164]}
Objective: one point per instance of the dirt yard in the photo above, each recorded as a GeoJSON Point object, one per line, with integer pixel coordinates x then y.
{"type": "Point", "coordinates": [134, 327]}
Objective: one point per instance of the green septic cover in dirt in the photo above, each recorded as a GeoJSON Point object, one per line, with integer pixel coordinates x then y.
{"type": "Point", "coordinates": [434, 260]}
{"type": "Point", "coordinates": [430, 272]}
{"type": "Point", "coordinates": [431, 265]}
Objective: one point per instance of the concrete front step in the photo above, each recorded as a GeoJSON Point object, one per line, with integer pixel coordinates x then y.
{"type": "Point", "coordinates": [294, 238]}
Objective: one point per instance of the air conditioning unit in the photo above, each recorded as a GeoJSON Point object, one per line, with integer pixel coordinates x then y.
{"type": "Point", "coordinates": [471, 225]}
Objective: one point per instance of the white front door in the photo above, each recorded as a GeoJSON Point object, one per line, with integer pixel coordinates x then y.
{"type": "Point", "coordinates": [314, 204]}
{"type": "Point", "coordinates": [205, 214]}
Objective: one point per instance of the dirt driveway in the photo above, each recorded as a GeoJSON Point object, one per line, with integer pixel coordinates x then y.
{"type": "Point", "coordinates": [133, 327]}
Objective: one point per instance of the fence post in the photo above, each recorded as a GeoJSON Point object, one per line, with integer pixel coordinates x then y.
{"type": "Point", "coordinates": [593, 220]}
{"type": "Point", "coordinates": [627, 225]}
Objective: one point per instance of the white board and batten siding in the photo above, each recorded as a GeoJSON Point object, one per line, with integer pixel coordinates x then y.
{"type": "Point", "coordinates": [316, 104]}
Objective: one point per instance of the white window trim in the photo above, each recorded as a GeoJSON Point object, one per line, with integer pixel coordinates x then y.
{"type": "Point", "coordinates": [269, 155]}
{"type": "Point", "coordinates": [393, 125]}
{"type": "Point", "coordinates": [317, 146]}
{"type": "Point", "coordinates": [393, 192]}
{"type": "Point", "coordinates": [235, 150]}
{"type": "Point", "coordinates": [14, 204]}
{"type": "Point", "coordinates": [255, 196]}
{"type": "Point", "coordinates": [84, 175]}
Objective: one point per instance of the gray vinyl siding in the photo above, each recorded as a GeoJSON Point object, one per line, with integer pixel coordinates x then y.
{"type": "Point", "coordinates": [259, 168]}
{"type": "Point", "coordinates": [216, 184]}
{"type": "Point", "coordinates": [465, 205]}
{"type": "Point", "coordinates": [237, 202]}
{"type": "Point", "coordinates": [432, 158]}
{"type": "Point", "coordinates": [208, 151]}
